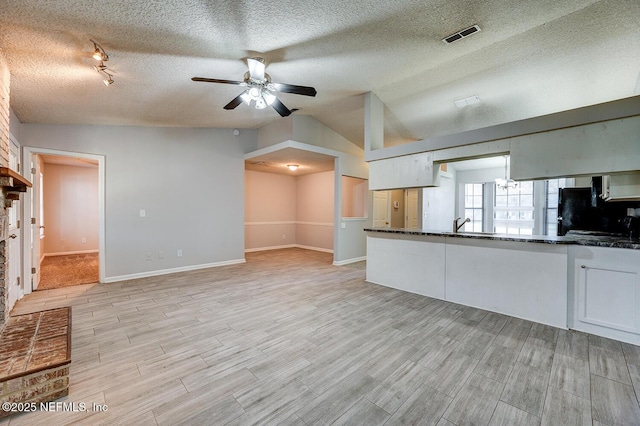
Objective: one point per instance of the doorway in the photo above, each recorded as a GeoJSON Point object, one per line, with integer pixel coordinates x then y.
{"type": "Point", "coordinates": [66, 212]}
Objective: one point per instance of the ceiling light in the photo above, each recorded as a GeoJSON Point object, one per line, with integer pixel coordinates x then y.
{"type": "Point", "coordinates": [268, 97]}
{"type": "Point", "coordinates": [100, 67]}
{"type": "Point", "coordinates": [293, 167]}
{"type": "Point", "coordinates": [254, 93]}
{"type": "Point", "coordinates": [246, 97]}
{"type": "Point", "coordinates": [506, 182]}
{"type": "Point", "coordinates": [260, 103]}
{"type": "Point", "coordinates": [109, 80]}
{"type": "Point", "coordinates": [99, 54]}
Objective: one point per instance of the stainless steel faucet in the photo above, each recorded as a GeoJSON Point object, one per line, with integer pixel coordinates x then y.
{"type": "Point", "coordinates": [457, 227]}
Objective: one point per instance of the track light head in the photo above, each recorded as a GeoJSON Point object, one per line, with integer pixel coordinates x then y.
{"type": "Point", "coordinates": [100, 67]}
{"type": "Point", "coordinates": [109, 80]}
{"type": "Point", "coordinates": [99, 54]}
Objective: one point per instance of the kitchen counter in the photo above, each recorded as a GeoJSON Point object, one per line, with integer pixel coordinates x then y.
{"type": "Point", "coordinates": [585, 238]}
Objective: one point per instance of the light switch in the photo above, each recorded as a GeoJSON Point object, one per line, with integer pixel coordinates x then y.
{"type": "Point", "coordinates": [143, 213]}
{"type": "Point", "coordinates": [343, 225]}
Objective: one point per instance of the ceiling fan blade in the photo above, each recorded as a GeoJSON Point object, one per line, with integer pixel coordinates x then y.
{"type": "Point", "coordinates": [279, 106]}
{"type": "Point", "coordinates": [235, 102]}
{"type": "Point", "coordinates": [216, 80]}
{"type": "Point", "coordinates": [298, 90]}
{"type": "Point", "coordinates": [256, 68]}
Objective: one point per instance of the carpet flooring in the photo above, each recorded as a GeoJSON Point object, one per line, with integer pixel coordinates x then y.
{"type": "Point", "coordinates": [68, 270]}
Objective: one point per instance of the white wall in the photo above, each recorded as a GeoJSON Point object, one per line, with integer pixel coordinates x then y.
{"type": "Point", "coordinates": [439, 203]}
{"type": "Point", "coordinates": [189, 181]}
{"type": "Point", "coordinates": [70, 209]}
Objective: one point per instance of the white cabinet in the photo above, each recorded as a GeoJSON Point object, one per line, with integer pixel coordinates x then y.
{"type": "Point", "coordinates": [606, 292]}
{"type": "Point", "coordinates": [624, 187]}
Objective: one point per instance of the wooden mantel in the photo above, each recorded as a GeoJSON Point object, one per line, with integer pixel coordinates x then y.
{"type": "Point", "coordinates": [17, 184]}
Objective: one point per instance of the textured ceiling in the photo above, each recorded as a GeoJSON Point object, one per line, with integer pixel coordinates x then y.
{"type": "Point", "coordinates": [277, 162]}
{"type": "Point", "coordinates": [531, 58]}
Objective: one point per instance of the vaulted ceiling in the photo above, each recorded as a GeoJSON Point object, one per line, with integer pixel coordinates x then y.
{"type": "Point", "coordinates": [530, 58]}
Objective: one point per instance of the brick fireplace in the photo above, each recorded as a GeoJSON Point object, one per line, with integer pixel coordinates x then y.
{"type": "Point", "coordinates": [4, 213]}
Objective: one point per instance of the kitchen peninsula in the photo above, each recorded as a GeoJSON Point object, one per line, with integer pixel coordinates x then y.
{"type": "Point", "coordinates": [584, 282]}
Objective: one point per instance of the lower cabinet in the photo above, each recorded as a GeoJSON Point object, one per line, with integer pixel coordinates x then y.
{"type": "Point", "coordinates": [606, 287]}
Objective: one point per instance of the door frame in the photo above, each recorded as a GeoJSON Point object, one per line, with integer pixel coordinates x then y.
{"type": "Point", "coordinates": [27, 153]}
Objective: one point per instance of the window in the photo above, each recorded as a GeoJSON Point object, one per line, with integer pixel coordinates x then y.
{"type": "Point", "coordinates": [473, 206]}
{"type": "Point", "coordinates": [551, 211]}
{"type": "Point", "coordinates": [513, 209]}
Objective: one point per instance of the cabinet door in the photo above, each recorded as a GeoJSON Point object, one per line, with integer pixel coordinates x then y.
{"type": "Point", "coordinates": [609, 297]}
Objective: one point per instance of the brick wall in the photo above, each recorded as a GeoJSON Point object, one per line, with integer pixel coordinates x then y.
{"type": "Point", "coordinates": [4, 162]}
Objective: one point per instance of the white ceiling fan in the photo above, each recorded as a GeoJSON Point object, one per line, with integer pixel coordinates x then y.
{"type": "Point", "coordinates": [260, 89]}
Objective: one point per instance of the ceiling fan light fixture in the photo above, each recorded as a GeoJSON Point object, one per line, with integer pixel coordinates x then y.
{"type": "Point", "coordinates": [246, 98]}
{"type": "Point", "coordinates": [268, 97]}
{"type": "Point", "coordinates": [254, 93]}
{"type": "Point", "coordinates": [293, 167]}
{"type": "Point", "coordinates": [260, 103]}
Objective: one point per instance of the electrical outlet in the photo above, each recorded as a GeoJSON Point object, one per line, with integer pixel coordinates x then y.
{"type": "Point", "coordinates": [143, 213]}
{"type": "Point", "coordinates": [149, 256]}
{"type": "Point", "coordinates": [284, 237]}
{"type": "Point", "coordinates": [179, 254]}
{"type": "Point", "coordinates": [83, 241]}
{"type": "Point", "coordinates": [160, 255]}
{"type": "Point", "coordinates": [63, 242]}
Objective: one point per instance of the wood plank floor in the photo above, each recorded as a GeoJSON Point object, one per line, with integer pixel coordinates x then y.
{"type": "Point", "coordinates": [287, 338]}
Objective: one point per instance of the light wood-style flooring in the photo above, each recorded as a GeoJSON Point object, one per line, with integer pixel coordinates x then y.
{"type": "Point", "coordinates": [289, 339]}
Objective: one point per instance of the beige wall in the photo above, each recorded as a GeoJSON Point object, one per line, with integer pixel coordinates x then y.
{"type": "Point", "coordinates": [354, 197]}
{"type": "Point", "coordinates": [285, 211]}
{"type": "Point", "coordinates": [70, 209]}
{"type": "Point", "coordinates": [315, 201]}
{"type": "Point", "coordinates": [397, 214]}
{"type": "Point", "coordinates": [270, 210]}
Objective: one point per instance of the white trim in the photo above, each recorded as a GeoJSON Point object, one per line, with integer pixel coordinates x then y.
{"type": "Point", "coordinates": [251, 250]}
{"type": "Point", "coordinates": [348, 261]}
{"type": "Point", "coordinates": [65, 253]}
{"type": "Point", "coordinates": [314, 248]}
{"type": "Point", "coordinates": [290, 222]}
{"type": "Point", "coordinates": [27, 151]}
{"type": "Point", "coordinates": [283, 222]}
{"type": "Point", "coordinates": [284, 246]}
{"type": "Point", "coordinates": [172, 270]}
{"type": "Point", "coordinates": [315, 223]}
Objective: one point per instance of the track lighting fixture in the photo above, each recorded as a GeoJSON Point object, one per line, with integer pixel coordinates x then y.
{"type": "Point", "coordinates": [109, 80]}
{"type": "Point", "coordinates": [100, 55]}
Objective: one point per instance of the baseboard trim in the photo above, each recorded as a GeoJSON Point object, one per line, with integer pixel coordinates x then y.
{"type": "Point", "coordinates": [172, 270]}
{"type": "Point", "coordinates": [324, 250]}
{"type": "Point", "coordinates": [66, 253]}
{"type": "Point", "coordinates": [348, 261]}
{"type": "Point", "coordinates": [251, 250]}
{"type": "Point", "coordinates": [284, 246]}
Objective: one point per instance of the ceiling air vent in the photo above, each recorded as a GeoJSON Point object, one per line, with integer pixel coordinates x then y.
{"type": "Point", "coordinates": [461, 34]}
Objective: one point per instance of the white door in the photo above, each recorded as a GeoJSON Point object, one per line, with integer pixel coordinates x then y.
{"type": "Point", "coordinates": [16, 287]}
{"type": "Point", "coordinates": [37, 228]}
{"type": "Point", "coordinates": [381, 209]}
{"type": "Point", "coordinates": [412, 209]}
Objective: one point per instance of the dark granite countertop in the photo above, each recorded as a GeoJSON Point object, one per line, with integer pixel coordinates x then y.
{"type": "Point", "coordinates": [584, 238]}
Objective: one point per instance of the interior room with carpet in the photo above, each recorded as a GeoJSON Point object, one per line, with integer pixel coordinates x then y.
{"type": "Point", "coordinates": [320, 213]}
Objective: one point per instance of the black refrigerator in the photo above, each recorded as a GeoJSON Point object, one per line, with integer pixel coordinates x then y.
{"type": "Point", "coordinates": [582, 209]}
